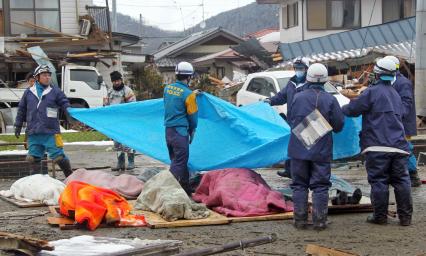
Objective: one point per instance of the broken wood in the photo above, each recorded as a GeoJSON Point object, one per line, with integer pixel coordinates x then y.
{"type": "Point", "coordinates": [35, 26]}
{"type": "Point", "coordinates": [80, 55]}
{"type": "Point", "coordinates": [232, 246]}
{"type": "Point", "coordinates": [26, 245]}
{"type": "Point", "coordinates": [23, 204]}
{"type": "Point", "coordinates": [278, 216]}
{"type": "Point", "coordinates": [316, 250]}
{"type": "Point", "coordinates": [216, 81]}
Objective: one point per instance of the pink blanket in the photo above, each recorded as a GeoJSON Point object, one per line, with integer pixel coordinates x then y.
{"type": "Point", "coordinates": [239, 193]}
{"type": "Point", "coordinates": [126, 185]}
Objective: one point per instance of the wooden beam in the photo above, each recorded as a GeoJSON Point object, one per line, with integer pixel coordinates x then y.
{"type": "Point", "coordinates": [316, 250]}
{"type": "Point", "coordinates": [29, 24]}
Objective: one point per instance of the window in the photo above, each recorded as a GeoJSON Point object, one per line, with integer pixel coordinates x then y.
{"type": "Point", "coordinates": [220, 72]}
{"type": "Point", "coordinates": [41, 12]}
{"type": "Point", "coordinates": [282, 82]}
{"type": "Point", "coordinates": [289, 14]}
{"type": "Point", "coordinates": [334, 14]}
{"type": "Point", "coordinates": [263, 86]}
{"type": "Point", "coordinates": [90, 77]}
{"type": "Point", "coordinates": [398, 9]}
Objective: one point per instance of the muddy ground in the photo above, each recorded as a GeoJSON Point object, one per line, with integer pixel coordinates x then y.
{"type": "Point", "coordinates": [347, 232]}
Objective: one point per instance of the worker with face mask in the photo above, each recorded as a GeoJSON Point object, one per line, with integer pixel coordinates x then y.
{"type": "Point", "coordinates": [286, 95]}
{"type": "Point", "coordinates": [314, 115]}
{"type": "Point", "coordinates": [120, 94]}
{"type": "Point", "coordinates": [383, 143]}
{"type": "Point", "coordinates": [405, 89]}
{"type": "Point", "coordinates": [180, 120]}
{"type": "Point", "coordinates": [39, 107]}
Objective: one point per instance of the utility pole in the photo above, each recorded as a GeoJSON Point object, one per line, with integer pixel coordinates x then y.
{"type": "Point", "coordinates": [114, 15]}
{"type": "Point", "coordinates": [140, 31]}
{"type": "Point", "coordinates": [420, 80]}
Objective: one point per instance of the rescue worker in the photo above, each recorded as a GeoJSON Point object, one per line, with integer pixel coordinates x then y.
{"type": "Point", "coordinates": [180, 120]}
{"type": "Point", "coordinates": [119, 94]}
{"type": "Point", "coordinates": [30, 79]}
{"type": "Point", "coordinates": [405, 89]}
{"type": "Point", "coordinates": [383, 143]}
{"type": "Point", "coordinates": [311, 166]}
{"type": "Point", "coordinates": [286, 95]}
{"type": "Point", "coordinates": [39, 108]}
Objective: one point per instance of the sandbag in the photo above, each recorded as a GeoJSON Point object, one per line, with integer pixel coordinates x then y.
{"type": "Point", "coordinates": [126, 185]}
{"type": "Point", "coordinates": [37, 187]}
{"type": "Point", "coordinates": [239, 193]}
{"type": "Point", "coordinates": [164, 195]}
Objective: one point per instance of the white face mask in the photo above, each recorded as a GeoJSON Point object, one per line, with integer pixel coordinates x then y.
{"type": "Point", "coordinates": [300, 74]}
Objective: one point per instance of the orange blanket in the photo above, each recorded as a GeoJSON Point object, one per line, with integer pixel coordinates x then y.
{"type": "Point", "coordinates": [90, 205]}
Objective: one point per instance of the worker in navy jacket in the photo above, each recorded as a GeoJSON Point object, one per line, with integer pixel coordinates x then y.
{"type": "Point", "coordinates": [286, 96]}
{"type": "Point", "coordinates": [310, 166]}
{"type": "Point", "coordinates": [405, 89]}
{"type": "Point", "coordinates": [383, 143]}
{"type": "Point", "coordinates": [39, 107]}
{"type": "Point", "coordinates": [180, 120]}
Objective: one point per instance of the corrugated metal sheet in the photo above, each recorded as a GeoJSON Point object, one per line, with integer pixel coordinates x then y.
{"type": "Point", "coordinates": [392, 35]}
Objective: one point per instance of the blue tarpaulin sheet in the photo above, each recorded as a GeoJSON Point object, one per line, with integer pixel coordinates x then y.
{"type": "Point", "coordinates": [227, 136]}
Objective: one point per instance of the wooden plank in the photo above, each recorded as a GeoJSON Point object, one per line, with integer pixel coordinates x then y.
{"type": "Point", "coordinates": [154, 220]}
{"type": "Point", "coordinates": [278, 216]}
{"type": "Point", "coordinates": [317, 250]}
{"type": "Point", "coordinates": [29, 24]}
{"type": "Point", "coordinates": [22, 204]}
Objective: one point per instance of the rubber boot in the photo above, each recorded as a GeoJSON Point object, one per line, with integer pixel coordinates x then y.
{"type": "Point", "coordinates": [284, 173]}
{"type": "Point", "coordinates": [415, 180]}
{"type": "Point", "coordinates": [131, 161]}
{"type": "Point", "coordinates": [36, 166]}
{"type": "Point", "coordinates": [65, 166]}
{"type": "Point", "coordinates": [120, 163]}
{"type": "Point", "coordinates": [300, 221]}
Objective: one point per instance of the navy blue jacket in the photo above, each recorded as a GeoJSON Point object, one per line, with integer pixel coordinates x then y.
{"type": "Point", "coordinates": [41, 114]}
{"type": "Point", "coordinates": [381, 110]}
{"type": "Point", "coordinates": [405, 89]}
{"type": "Point", "coordinates": [303, 104]}
{"type": "Point", "coordinates": [286, 95]}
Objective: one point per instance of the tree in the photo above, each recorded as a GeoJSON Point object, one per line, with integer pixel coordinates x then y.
{"type": "Point", "coordinates": [149, 83]}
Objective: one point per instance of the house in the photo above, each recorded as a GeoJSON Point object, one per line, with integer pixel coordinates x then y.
{"type": "Point", "coordinates": [306, 19]}
{"type": "Point", "coordinates": [68, 31]}
{"type": "Point", "coordinates": [240, 59]}
{"type": "Point", "coordinates": [192, 47]}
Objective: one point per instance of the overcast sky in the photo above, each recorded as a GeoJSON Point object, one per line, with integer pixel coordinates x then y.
{"type": "Point", "coordinates": [174, 14]}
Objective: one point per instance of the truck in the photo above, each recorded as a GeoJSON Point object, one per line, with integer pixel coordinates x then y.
{"type": "Point", "coordinates": [83, 86]}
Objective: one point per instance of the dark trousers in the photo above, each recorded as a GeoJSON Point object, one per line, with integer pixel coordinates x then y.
{"type": "Point", "coordinates": [178, 147]}
{"type": "Point", "coordinates": [384, 169]}
{"type": "Point", "coordinates": [316, 177]}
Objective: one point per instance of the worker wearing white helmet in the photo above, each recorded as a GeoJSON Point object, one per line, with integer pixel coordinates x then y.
{"type": "Point", "coordinates": [310, 154]}
{"type": "Point", "coordinates": [40, 107]}
{"type": "Point", "coordinates": [180, 120]}
{"type": "Point", "coordinates": [286, 95]}
{"type": "Point", "coordinates": [383, 143]}
{"type": "Point", "coordinates": [405, 89]}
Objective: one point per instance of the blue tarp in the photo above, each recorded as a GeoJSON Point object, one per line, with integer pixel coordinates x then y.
{"type": "Point", "coordinates": [227, 136]}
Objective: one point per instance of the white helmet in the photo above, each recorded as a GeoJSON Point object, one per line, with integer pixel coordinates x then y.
{"type": "Point", "coordinates": [42, 69]}
{"type": "Point", "coordinates": [300, 62]}
{"type": "Point", "coordinates": [184, 68]}
{"type": "Point", "coordinates": [385, 68]}
{"type": "Point", "coordinates": [394, 59]}
{"type": "Point", "coordinates": [317, 73]}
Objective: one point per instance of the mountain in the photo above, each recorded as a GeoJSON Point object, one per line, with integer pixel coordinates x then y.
{"type": "Point", "coordinates": [241, 21]}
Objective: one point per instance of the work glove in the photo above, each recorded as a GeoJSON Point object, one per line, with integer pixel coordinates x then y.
{"type": "Point", "coordinates": [267, 101]}
{"type": "Point", "coordinates": [191, 136]}
{"type": "Point", "coordinates": [198, 92]}
{"type": "Point", "coordinates": [18, 131]}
